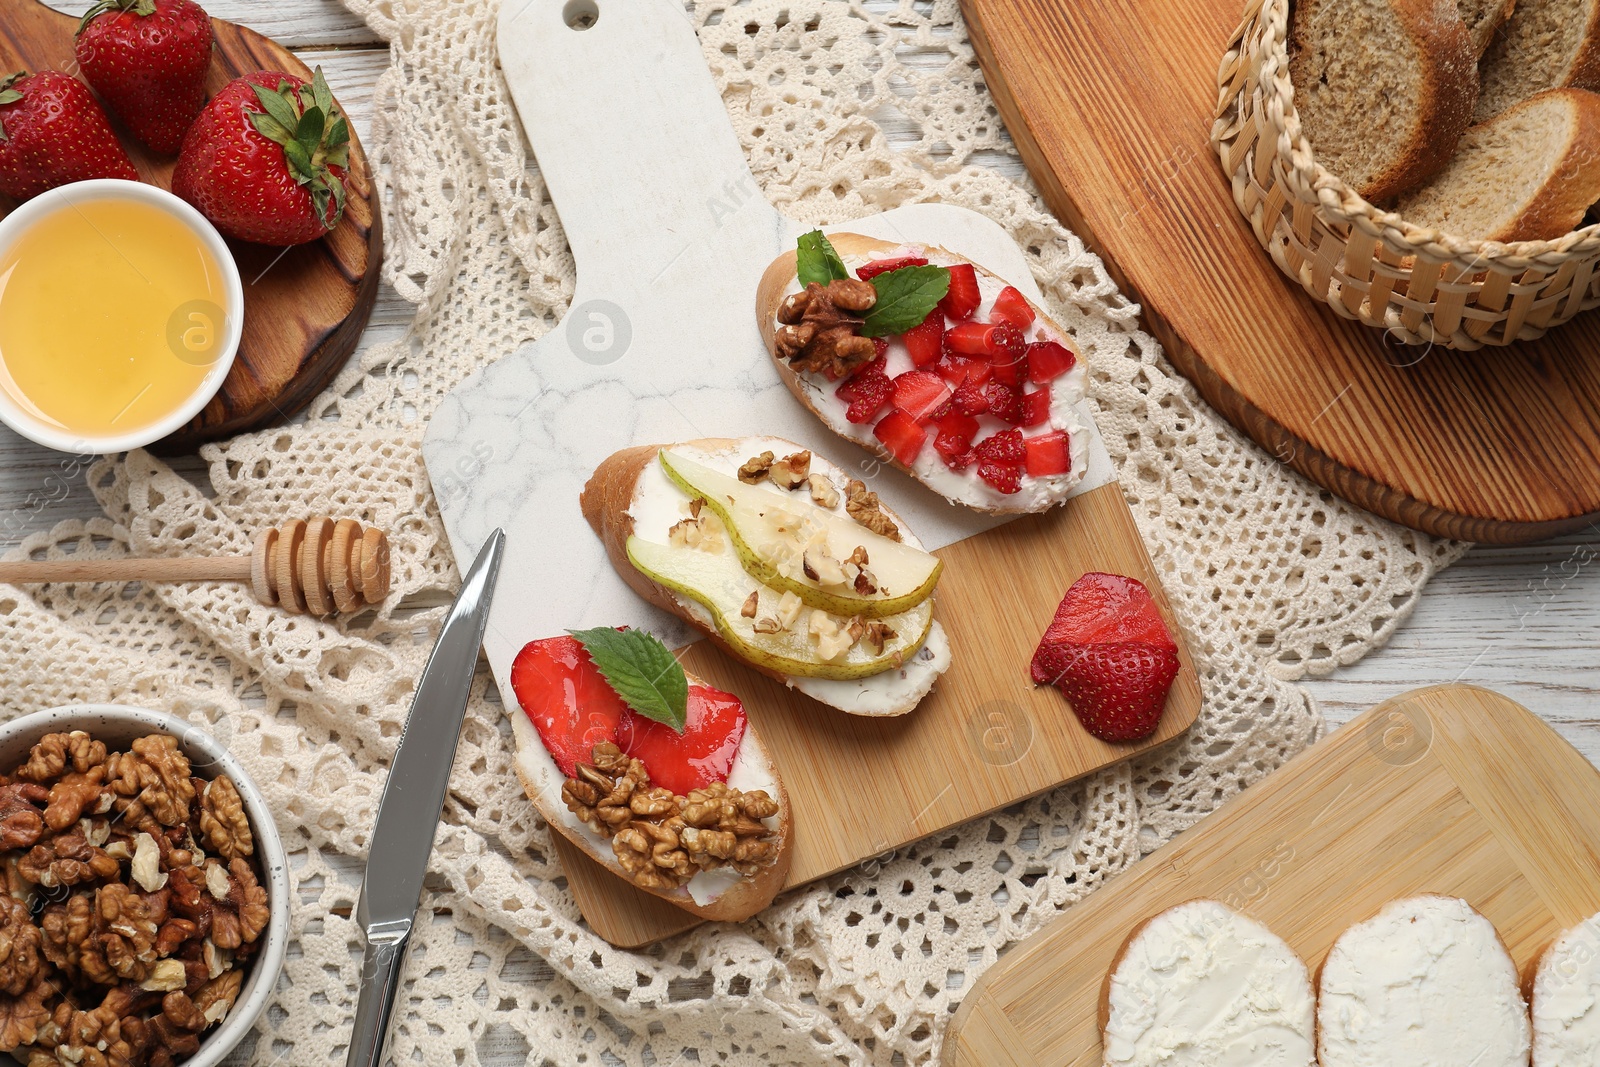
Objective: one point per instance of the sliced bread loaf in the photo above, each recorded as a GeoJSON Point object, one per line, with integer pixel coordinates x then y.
{"type": "Point", "coordinates": [1384, 88]}
{"type": "Point", "coordinates": [1483, 17]}
{"type": "Point", "coordinates": [1546, 44]}
{"type": "Point", "coordinates": [1528, 174]}
{"type": "Point", "coordinates": [1202, 984]}
{"type": "Point", "coordinates": [1566, 999]}
{"type": "Point", "coordinates": [1428, 983]}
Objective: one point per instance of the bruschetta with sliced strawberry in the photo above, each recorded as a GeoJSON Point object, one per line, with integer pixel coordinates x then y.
{"type": "Point", "coordinates": [933, 364]}
{"type": "Point", "coordinates": [656, 775]}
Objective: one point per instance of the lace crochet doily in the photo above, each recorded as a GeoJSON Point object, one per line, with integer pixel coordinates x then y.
{"type": "Point", "coordinates": [1271, 577]}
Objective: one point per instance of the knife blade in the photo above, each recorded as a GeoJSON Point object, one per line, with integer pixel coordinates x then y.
{"type": "Point", "coordinates": [413, 798]}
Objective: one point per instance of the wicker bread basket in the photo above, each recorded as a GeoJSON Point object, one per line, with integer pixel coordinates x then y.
{"type": "Point", "coordinates": [1421, 285]}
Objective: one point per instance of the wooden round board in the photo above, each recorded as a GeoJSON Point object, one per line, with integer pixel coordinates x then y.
{"type": "Point", "coordinates": [1111, 104]}
{"type": "Point", "coordinates": [305, 307]}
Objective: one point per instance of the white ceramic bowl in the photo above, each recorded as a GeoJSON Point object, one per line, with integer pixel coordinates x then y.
{"type": "Point", "coordinates": [117, 726]}
{"type": "Point", "coordinates": [29, 424]}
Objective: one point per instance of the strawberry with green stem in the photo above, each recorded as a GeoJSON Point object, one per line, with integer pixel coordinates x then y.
{"type": "Point", "coordinates": [267, 159]}
{"type": "Point", "coordinates": [148, 60]}
{"type": "Point", "coordinates": [52, 132]}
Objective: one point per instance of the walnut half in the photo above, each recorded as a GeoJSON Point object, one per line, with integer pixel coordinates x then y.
{"type": "Point", "coordinates": [821, 328]}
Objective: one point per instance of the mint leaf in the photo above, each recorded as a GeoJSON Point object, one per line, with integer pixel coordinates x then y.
{"type": "Point", "coordinates": [644, 673]}
{"type": "Point", "coordinates": [817, 261]}
{"type": "Point", "coordinates": [905, 298]}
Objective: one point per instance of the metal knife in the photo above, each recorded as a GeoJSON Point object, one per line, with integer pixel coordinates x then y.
{"type": "Point", "coordinates": [419, 776]}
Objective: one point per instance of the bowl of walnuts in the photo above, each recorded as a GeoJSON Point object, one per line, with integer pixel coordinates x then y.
{"type": "Point", "coordinates": [144, 892]}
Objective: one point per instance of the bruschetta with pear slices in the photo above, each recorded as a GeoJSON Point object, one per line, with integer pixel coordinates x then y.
{"type": "Point", "coordinates": [658, 776]}
{"type": "Point", "coordinates": [787, 562]}
{"type": "Point", "coordinates": [933, 364]}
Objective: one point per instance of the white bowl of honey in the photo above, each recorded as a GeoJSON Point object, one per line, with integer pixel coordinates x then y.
{"type": "Point", "coordinates": [120, 314]}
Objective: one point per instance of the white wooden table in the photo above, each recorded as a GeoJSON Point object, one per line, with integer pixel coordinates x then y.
{"type": "Point", "coordinates": [1524, 621]}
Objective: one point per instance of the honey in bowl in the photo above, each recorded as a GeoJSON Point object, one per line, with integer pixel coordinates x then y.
{"type": "Point", "coordinates": [113, 312]}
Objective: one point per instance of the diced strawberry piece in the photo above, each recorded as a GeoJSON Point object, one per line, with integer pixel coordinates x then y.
{"type": "Point", "coordinates": [1036, 406]}
{"type": "Point", "coordinates": [1048, 361]}
{"type": "Point", "coordinates": [1005, 479]}
{"type": "Point", "coordinates": [1011, 370]}
{"type": "Point", "coordinates": [874, 267]}
{"type": "Point", "coordinates": [871, 394]}
{"type": "Point", "coordinates": [926, 342]}
{"type": "Point", "coordinates": [1005, 447]}
{"type": "Point", "coordinates": [1005, 403]}
{"type": "Point", "coordinates": [964, 296]}
{"type": "Point", "coordinates": [953, 369]}
{"type": "Point", "coordinates": [1012, 307]}
{"type": "Point", "coordinates": [702, 754]}
{"type": "Point", "coordinates": [953, 442]}
{"type": "Point", "coordinates": [849, 389]}
{"type": "Point", "coordinates": [881, 346]}
{"type": "Point", "coordinates": [1111, 653]}
{"type": "Point", "coordinates": [1006, 346]}
{"type": "Point", "coordinates": [902, 435]}
{"type": "Point", "coordinates": [970, 399]}
{"type": "Point", "coordinates": [970, 338]}
{"type": "Point", "coordinates": [920, 393]}
{"type": "Point", "coordinates": [1049, 454]}
{"type": "Point", "coordinates": [567, 699]}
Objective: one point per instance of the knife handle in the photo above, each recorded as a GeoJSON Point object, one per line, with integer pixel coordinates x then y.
{"type": "Point", "coordinates": [381, 965]}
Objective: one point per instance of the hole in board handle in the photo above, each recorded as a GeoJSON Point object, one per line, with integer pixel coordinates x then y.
{"type": "Point", "coordinates": [580, 14]}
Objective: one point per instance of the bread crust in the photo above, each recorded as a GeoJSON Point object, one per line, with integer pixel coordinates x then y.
{"type": "Point", "coordinates": [742, 900]}
{"type": "Point", "coordinates": [605, 501]}
{"type": "Point", "coordinates": [1449, 90]}
{"type": "Point", "coordinates": [770, 293]}
{"type": "Point", "coordinates": [1575, 183]}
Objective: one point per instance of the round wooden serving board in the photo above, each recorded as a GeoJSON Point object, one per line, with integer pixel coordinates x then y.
{"type": "Point", "coordinates": [1111, 103]}
{"type": "Point", "coordinates": [304, 307]}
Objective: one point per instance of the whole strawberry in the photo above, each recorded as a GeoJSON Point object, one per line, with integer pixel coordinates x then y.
{"type": "Point", "coordinates": [148, 59]}
{"type": "Point", "coordinates": [266, 159]}
{"type": "Point", "coordinates": [52, 132]}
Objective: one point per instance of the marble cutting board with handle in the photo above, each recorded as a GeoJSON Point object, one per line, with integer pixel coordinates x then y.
{"type": "Point", "coordinates": [670, 233]}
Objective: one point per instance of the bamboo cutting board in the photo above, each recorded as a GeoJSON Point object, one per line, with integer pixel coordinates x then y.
{"type": "Point", "coordinates": [671, 236]}
{"type": "Point", "coordinates": [304, 307]}
{"type": "Point", "coordinates": [1453, 790]}
{"type": "Point", "coordinates": [1111, 104]}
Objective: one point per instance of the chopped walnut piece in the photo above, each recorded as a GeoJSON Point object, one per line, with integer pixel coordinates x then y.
{"type": "Point", "coordinates": [21, 948]}
{"type": "Point", "coordinates": [832, 639]}
{"type": "Point", "coordinates": [823, 568]}
{"type": "Point", "coordinates": [216, 998]}
{"type": "Point", "coordinates": [21, 814]}
{"type": "Point", "coordinates": [791, 472]}
{"type": "Point", "coordinates": [789, 606]}
{"type": "Point", "coordinates": [769, 624]}
{"type": "Point", "coordinates": [151, 782]}
{"type": "Point", "coordinates": [164, 976]}
{"type": "Point", "coordinates": [67, 859]}
{"type": "Point", "coordinates": [146, 866]}
{"type": "Point", "coordinates": [652, 855]}
{"type": "Point", "coordinates": [599, 795]}
{"type": "Point", "coordinates": [756, 469]}
{"type": "Point", "coordinates": [865, 507]}
{"type": "Point", "coordinates": [724, 824]}
{"type": "Point", "coordinates": [55, 754]}
{"type": "Point", "coordinates": [126, 923]}
{"type": "Point", "coordinates": [223, 824]}
{"type": "Point", "coordinates": [864, 584]}
{"type": "Point", "coordinates": [240, 918]}
{"type": "Point", "coordinates": [821, 328]}
{"type": "Point", "coordinates": [752, 604]}
{"type": "Point", "coordinates": [22, 1015]}
{"type": "Point", "coordinates": [704, 533]}
{"type": "Point", "coordinates": [878, 636]}
{"type": "Point", "coordinates": [823, 492]}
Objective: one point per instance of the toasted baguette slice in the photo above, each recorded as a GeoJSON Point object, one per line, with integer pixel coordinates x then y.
{"type": "Point", "coordinates": [1202, 984]}
{"type": "Point", "coordinates": [1429, 983]}
{"type": "Point", "coordinates": [1528, 174]}
{"type": "Point", "coordinates": [1546, 44]}
{"type": "Point", "coordinates": [1483, 18]}
{"type": "Point", "coordinates": [965, 487]}
{"type": "Point", "coordinates": [722, 895]}
{"type": "Point", "coordinates": [1384, 88]}
{"type": "Point", "coordinates": [1565, 989]}
{"type": "Point", "coordinates": [619, 493]}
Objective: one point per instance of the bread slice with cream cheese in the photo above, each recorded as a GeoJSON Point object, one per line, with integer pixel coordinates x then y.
{"type": "Point", "coordinates": [1566, 999]}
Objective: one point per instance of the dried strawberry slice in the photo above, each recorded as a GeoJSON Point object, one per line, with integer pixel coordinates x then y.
{"type": "Point", "coordinates": [874, 267]}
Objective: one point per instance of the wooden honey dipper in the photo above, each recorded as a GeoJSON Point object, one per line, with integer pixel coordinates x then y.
{"type": "Point", "coordinates": [312, 567]}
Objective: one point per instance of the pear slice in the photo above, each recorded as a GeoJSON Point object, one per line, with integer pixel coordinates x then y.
{"type": "Point", "coordinates": [778, 535]}
{"type": "Point", "coordinates": [717, 582]}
